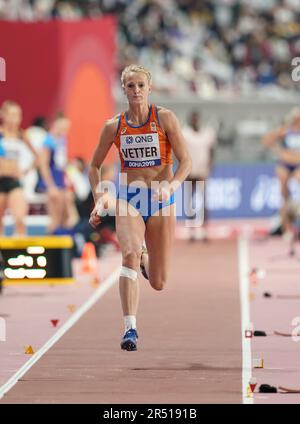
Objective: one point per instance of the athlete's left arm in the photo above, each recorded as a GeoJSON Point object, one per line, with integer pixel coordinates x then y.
{"type": "Point", "coordinates": [172, 128]}
{"type": "Point", "coordinates": [290, 156]}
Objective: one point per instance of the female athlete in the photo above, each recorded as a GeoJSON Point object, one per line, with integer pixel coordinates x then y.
{"type": "Point", "coordinates": [13, 142]}
{"type": "Point", "coordinates": [145, 136]}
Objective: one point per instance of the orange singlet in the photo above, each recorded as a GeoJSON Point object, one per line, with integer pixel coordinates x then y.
{"type": "Point", "coordinates": [142, 146]}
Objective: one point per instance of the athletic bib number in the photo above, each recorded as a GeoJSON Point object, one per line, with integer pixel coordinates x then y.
{"type": "Point", "coordinates": [140, 150]}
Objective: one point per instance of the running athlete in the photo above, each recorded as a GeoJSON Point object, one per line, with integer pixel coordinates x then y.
{"type": "Point", "coordinates": [53, 179]}
{"type": "Point", "coordinates": [145, 136]}
{"type": "Point", "coordinates": [13, 142]}
{"type": "Point", "coordinates": [285, 142]}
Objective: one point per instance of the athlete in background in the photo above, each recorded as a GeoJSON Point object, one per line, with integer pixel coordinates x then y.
{"type": "Point", "coordinates": [53, 179]}
{"type": "Point", "coordinates": [13, 144]}
{"type": "Point", "coordinates": [285, 142]}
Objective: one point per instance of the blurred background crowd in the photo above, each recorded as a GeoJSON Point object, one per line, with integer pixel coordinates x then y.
{"type": "Point", "coordinates": [200, 47]}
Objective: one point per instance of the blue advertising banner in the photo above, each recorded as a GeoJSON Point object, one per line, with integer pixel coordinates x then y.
{"type": "Point", "coordinates": [238, 191]}
{"type": "Point", "coordinates": [245, 191]}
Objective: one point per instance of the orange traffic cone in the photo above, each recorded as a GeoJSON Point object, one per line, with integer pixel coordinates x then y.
{"type": "Point", "coordinates": [29, 350]}
{"type": "Point", "coordinates": [89, 259]}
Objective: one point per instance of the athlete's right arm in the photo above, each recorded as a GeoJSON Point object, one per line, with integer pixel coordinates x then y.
{"type": "Point", "coordinates": [106, 140]}
{"type": "Point", "coordinates": [272, 137]}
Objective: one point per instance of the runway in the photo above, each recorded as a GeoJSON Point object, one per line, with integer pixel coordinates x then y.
{"type": "Point", "coordinates": [190, 344]}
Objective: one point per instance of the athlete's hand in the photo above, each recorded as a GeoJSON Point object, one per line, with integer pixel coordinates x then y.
{"type": "Point", "coordinates": [163, 194]}
{"type": "Point", "coordinates": [95, 218]}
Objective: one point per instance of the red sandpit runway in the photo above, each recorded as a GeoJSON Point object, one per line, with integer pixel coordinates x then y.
{"type": "Point", "coordinates": [190, 345]}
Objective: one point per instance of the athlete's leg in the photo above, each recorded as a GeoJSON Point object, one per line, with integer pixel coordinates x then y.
{"type": "Point", "coordinates": [159, 238]}
{"type": "Point", "coordinates": [296, 174]}
{"type": "Point", "coordinates": [55, 208]}
{"type": "Point", "coordinates": [130, 231]}
{"type": "Point", "coordinates": [3, 205]}
{"type": "Point", "coordinates": [293, 226]}
{"type": "Point", "coordinates": [19, 208]}
{"type": "Point", "coordinates": [69, 214]}
{"type": "Point", "coordinates": [283, 175]}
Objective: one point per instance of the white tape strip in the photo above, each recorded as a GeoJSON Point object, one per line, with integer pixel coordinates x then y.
{"type": "Point", "coordinates": [128, 273]}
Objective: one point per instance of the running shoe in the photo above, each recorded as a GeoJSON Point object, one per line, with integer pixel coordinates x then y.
{"type": "Point", "coordinates": [129, 341]}
{"type": "Point", "coordinates": [142, 266]}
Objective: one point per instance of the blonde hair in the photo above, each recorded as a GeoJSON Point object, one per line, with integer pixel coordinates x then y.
{"type": "Point", "coordinates": [135, 68]}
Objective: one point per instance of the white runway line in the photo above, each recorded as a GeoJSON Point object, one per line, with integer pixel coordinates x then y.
{"type": "Point", "coordinates": [243, 258]}
{"type": "Point", "coordinates": [104, 287]}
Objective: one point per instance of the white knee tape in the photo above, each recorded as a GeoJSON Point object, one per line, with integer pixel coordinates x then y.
{"type": "Point", "coordinates": [128, 273]}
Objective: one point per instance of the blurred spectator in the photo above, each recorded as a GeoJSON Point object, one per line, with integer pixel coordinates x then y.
{"type": "Point", "coordinates": [201, 142]}
{"type": "Point", "coordinates": [14, 10]}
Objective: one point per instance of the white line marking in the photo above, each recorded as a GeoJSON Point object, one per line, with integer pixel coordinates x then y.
{"type": "Point", "coordinates": [2, 330]}
{"type": "Point", "coordinates": [104, 287]}
{"type": "Point", "coordinates": [243, 255]}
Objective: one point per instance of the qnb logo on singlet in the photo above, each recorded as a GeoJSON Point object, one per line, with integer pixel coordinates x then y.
{"type": "Point", "coordinates": [139, 139]}
{"type": "Point", "coordinates": [292, 141]}
{"type": "Point", "coordinates": [140, 150]}
{"type": "Point", "coordinates": [129, 139]}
